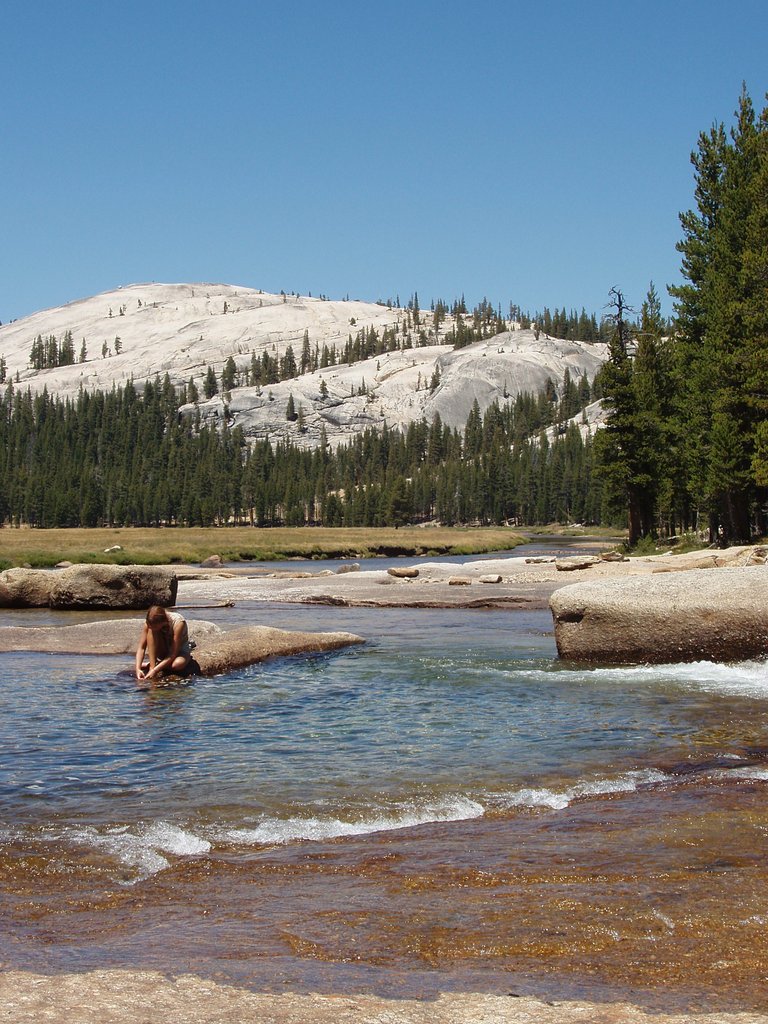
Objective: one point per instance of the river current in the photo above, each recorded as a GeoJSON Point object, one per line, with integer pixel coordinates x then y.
{"type": "Point", "coordinates": [447, 805]}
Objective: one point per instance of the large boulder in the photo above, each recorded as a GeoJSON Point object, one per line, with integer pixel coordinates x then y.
{"type": "Point", "coordinates": [88, 586]}
{"type": "Point", "coordinates": [114, 586]}
{"type": "Point", "coordinates": [25, 588]}
{"type": "Point", "coordinates": [719, 614]}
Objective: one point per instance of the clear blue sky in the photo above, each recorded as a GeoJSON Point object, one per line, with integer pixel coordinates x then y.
{"type": "Point", "coordinates": [528, 151]}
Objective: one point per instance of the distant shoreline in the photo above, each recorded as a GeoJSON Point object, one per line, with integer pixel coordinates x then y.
{"type": "Point", "coordinates": [176, 545]}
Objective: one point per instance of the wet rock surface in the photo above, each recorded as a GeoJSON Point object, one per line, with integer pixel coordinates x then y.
{"type": "Point", "coordinates": [228, 650]}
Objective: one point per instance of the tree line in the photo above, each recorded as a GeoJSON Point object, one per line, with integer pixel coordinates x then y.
{"type": "Point", "coordinates": [128, 458]}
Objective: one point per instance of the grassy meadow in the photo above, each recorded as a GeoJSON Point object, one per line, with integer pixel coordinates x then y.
{"type": "Point", "coordinates": [162, 546]}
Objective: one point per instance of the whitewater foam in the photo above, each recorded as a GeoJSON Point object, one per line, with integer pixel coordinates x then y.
{"type": "Point", "coordinates": [751, 773]}
{"type": "Point", "coordinates": [141, 849]}
{"type": "Point", "coordinates": [558, 800]}
{"type": "Point", "coordinates": [286, 830]}
{"type": "Point", "coordinates": [744, 679]}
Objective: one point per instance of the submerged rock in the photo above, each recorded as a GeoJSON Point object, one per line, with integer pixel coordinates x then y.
{"type": "Point", "coordinates": [682, 616]}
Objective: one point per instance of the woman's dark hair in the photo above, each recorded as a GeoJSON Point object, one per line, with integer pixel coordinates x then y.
{"type": "Point", "coordinates": [157, 615]}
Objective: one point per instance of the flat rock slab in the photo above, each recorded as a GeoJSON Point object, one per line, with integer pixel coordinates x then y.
{"type": "Point", "coordinates": [239, 647]}
{"type": "Point", "coordinates": [522, 586]}
{"type": "Point", "coordinates": [217, 650]}
{"type": "Point", "coordinates": [524, 583]}
{"type": "Point", "coordinates": [106, 636]}
{"type": "Point", "coordinates": [712, 614]}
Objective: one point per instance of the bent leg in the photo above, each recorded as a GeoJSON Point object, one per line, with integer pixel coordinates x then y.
{"type": "Point", "coordinates": [180, 663]}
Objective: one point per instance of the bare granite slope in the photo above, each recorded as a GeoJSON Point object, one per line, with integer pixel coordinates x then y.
{"type": "Point", "coordinates": [142, 330]}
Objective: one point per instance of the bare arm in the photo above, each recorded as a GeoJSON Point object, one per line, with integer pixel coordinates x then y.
{"type": "Point", "coordinates": [140, 652]}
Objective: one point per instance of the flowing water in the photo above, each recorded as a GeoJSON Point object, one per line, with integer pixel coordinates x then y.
{"type": "Point", "coordinates": [445, 806]}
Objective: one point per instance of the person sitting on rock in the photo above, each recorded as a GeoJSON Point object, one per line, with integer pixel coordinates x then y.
{"type": "Point", "coordinates": [165, 640]}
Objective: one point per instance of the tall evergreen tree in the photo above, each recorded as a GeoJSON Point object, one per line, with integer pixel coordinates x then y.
{"type": "Point", "coordinates": [721, 326]}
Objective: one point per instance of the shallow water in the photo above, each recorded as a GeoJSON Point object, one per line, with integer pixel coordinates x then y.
{"type": "Point", "coordinates": [448, 798]}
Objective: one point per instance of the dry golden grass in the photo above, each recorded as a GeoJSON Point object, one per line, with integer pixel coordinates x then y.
{"type": "Point", "coordinates": [179, 544]}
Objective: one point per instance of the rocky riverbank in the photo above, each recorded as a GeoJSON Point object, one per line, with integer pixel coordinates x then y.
{"type": "Point", "coordinates": [707, 604]}
{"type": "Point", "coordinates": [113, 997]}
{"type": "Point", "coordinates": [485, 583]}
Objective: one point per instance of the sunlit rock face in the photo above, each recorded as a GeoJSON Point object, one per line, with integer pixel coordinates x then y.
{"type": "Point", "coordinates": [712, 614]}
{"type": "Point", "coordinates": [142, 331]}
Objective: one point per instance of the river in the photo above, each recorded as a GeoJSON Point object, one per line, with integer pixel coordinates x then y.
{"type": "Point", "coordinates": [445, 807]}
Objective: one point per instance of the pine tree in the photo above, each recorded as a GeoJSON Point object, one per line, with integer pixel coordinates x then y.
{"type": "Point", "coordinates": [621, 459]}
{"type": "Point", "coordinates": [210, 384]}
{"type": "Point", "coordinates": [229, 375]}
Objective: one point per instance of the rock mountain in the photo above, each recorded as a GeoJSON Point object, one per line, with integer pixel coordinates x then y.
{"type": "Point", "coordinates": [143, 330]}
